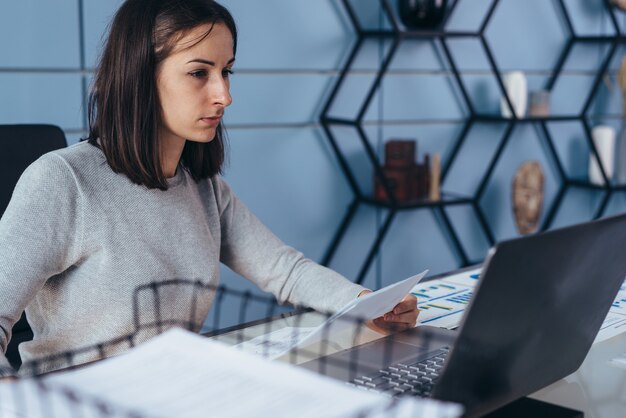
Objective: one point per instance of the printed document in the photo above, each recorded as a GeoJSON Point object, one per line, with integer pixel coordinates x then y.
{"type": "Point", "coordinates": [180, 374]}
{"type": "Point", "coordinates": [615, 322]}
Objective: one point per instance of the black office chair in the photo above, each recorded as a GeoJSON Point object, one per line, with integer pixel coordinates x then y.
{"type": "Point", "coordinates": [20, 145]}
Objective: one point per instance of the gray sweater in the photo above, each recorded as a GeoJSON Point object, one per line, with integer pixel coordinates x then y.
{"type": "Point", "coordinates": [77, 239]}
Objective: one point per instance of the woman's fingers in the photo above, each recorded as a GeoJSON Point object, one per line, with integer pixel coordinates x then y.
{"type": "Point", "coordinates": [403, 315]}
{"type": "Point", "coordinates": [409, 318]}
{"type": "Point", "coordinates": [407, 304]}
{"type": "Point", "coordinates": [405, 312]}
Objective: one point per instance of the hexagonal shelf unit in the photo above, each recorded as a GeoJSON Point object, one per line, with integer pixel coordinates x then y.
{"type": "Point", "coordinates": [350, 128]}
{"type": "Point", "coordinates": [607, 46]}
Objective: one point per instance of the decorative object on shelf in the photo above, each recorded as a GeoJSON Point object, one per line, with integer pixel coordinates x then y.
{"type": "Point", "coordinates": [423, 178]}
{"type": "Point", "coordinates": [408, 181]}
{"type": "Point", "coordinates": [620, 4]}
{"type": "Point", "coordinates": [621, 146]}
{"type": "Point", "coordinates": [517, 91]}
{"type": "Point", "coordinates": [400, 153]}
{"type": "Point", "coordinates": [527, 196]}
{"type": "Point", "coordinates": [539, 103]}
{"type": "Point", "coordinates": [420, 14]}
{"type": "Point", "coordinates": [604, 140]}
{"type": "Point", "coordinates": [435, 178]}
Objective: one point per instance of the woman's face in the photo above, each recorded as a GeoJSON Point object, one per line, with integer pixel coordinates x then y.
{"type": "Point", "coordinates": [193, 85]}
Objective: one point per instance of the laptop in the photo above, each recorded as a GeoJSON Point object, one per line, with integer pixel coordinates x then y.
{"type": "Point", "coordinates": [538, 306]}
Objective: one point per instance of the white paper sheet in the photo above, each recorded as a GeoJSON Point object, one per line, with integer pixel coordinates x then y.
{"type": "Point", "coordinates": [26, 399]}
{"type": "Point", "coordinates": [276, 343]}
{"type": "Point", "coordinates": [179, 374]}
{"type": "Point", "coordinates": [615, 322]}
{"type": "Point", "coordinates": [467, 278]}
{"type": "Point", "coordinates": [619, 305]}
{"type": "Point", "coordinates": [367, 307]}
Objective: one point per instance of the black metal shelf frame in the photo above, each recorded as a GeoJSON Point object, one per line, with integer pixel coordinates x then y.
{"type": "Point", "coordinates": [395, 35]}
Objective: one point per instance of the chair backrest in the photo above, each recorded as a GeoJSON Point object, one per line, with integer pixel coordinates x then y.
{"type": "Point", "coordinates": [20, 145]}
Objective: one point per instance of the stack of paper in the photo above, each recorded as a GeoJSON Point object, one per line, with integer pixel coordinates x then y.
{"type": "Point", "coordinates": [180, 374]}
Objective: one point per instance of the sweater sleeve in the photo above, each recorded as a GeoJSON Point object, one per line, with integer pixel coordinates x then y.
{"type": "Point", "coordinates": [40, 237]}
{"type": "Point", "coordinates": [249, 248]}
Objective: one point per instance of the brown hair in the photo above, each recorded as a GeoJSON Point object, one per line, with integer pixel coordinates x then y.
{"type": "Point", "coordinates": [124, 111]}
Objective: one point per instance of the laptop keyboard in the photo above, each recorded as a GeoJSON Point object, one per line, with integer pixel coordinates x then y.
{"type": "Point", "coordinates": [416, 379]}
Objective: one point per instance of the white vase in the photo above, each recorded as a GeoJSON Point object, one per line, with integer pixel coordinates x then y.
{"type": "Point", "coordinates": [604, 139]}
{"type": "Point", "coordinates": [517, 90]}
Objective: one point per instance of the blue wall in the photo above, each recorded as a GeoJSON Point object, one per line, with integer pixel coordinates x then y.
{"type": "Point", "coordinates": [289, 56]}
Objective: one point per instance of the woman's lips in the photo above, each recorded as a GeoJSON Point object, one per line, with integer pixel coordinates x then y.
{"type": "Point", "coordinates": [213, 120]}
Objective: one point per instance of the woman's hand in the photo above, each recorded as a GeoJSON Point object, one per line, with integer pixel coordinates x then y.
{"type": "Point", "coordinates": [402, 316]}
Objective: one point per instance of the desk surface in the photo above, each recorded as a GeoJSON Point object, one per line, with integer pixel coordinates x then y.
{"type": "Point", "coordinates": [598, 388]}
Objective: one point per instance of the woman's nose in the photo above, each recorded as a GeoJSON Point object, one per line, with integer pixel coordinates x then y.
{"type": "Point", "coordinates": [220, 93]}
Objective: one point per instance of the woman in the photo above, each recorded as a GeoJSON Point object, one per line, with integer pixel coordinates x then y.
{"type": "Point", "coordinates": [142, 200]}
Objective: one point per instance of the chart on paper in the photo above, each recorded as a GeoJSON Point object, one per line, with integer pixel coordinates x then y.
{"type": "Point", "coordinates": [615, 321]}
{"type": "Point", "coordinates": [442, 302]}
{"type": "Point", "coordinates": [619, 306]}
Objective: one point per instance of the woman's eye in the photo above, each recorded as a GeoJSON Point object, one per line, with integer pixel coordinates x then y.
{"type": "Point", "coordinates": [198, 74]}
{"type": "Point", "coordinates": [227, 72]}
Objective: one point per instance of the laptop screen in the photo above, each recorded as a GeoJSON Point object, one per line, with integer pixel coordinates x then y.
{"type": "Point", "coordinates": [539, 304]}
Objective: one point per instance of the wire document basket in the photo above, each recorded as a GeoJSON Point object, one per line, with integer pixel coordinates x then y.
{"type": "Point", "coordinates": [158, 366]}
